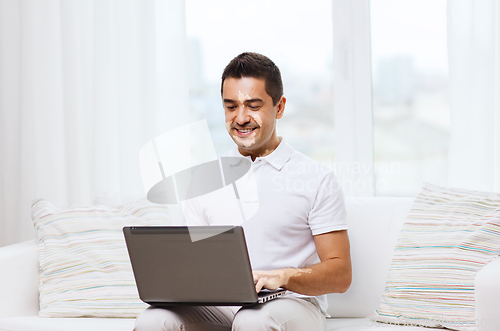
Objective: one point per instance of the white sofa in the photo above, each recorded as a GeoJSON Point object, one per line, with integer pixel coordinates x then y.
{"type": "Point", "coordinates": [374, 226]}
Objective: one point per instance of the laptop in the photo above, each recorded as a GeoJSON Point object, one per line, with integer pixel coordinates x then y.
{"type": "Point", "coordinates": [171, 269]}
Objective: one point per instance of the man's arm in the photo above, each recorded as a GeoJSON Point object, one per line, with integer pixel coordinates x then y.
{"type": "Point", "coordinates": [332, 274]}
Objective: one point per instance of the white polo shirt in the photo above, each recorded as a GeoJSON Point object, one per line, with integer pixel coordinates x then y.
{"type": "Point", "coordinates": [287, 199]}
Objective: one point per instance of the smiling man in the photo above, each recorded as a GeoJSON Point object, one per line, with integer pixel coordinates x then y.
{"type": "Point", "coordinates": [298, 237]}
{"type": "Point", "coordinates": [251, 115]}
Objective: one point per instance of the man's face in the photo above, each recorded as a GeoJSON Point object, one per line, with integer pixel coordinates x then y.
{"type": "Point", "coordinates": [251, 116]}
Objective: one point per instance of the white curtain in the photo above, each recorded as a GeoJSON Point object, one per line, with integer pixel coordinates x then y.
{"type": "Point", "coordinates": [474, 64]}
{"type": "Point", "coordinates": [83, 86]}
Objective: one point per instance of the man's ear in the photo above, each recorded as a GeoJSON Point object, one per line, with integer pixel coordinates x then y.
{"type": "Point", "coordinates": [280, 107]}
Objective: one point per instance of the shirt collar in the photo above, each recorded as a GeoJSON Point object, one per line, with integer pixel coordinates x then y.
{"type": "Point", "coordinates": [278, 158]}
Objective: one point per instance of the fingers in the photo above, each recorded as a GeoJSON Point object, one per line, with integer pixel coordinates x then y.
{"type": "Point", "coordinates": [269, 279]}
{"type": "Point", "coordinates": [260, 284]}
{"type": "Point", "coordinates": [255, 277]}
{"type": "Point", "coordinates": [260, 279]}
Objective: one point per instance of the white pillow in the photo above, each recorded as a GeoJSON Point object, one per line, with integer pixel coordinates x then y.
{"type": "Point", "coordinates": [85, 270]}
{"type": "Point", "coordinates": [449, 234]}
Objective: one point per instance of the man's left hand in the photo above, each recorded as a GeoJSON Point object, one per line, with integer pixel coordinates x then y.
{"type": "Point", "coordinates": [272, 279]}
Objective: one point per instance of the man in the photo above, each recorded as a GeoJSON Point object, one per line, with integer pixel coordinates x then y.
{"type": "Point", "coordinates": [298, 237]}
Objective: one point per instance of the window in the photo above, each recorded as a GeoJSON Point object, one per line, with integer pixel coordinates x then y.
{"type": "Point", "coordinates": [296, 35]}
{"type": "Point", "coordinates": [411, 123]}
{"type": "Point", "coordinates": [377, 70]}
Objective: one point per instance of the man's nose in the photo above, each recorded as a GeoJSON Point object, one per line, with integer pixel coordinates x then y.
{"type": "Point", "coordinates": [242, 115]}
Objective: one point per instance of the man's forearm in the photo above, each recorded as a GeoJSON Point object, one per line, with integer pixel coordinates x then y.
{"type": "Point", "coordinates": [330, 276]}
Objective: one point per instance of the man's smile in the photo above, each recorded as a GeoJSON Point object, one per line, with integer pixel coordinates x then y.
{"type": "Point", "coordinates": [245, 132]}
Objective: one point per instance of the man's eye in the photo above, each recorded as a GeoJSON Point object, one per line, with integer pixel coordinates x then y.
{"type": "Point", "coordinates": [231, 107]}
{"type": "Point", "coordinates": [253, 107]}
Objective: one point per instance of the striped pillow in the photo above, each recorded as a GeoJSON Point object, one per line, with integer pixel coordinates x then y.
{"type": "Point", "coordinates": [84, 266]}
{"type": "Point", "coordinates": [449, 234]}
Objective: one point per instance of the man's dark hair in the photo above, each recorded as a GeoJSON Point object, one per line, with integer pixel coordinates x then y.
{"type": "Point", "coordinates": [258, 66]}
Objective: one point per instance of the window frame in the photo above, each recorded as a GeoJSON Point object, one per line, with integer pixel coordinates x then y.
{"type": "Point", "coordinates": [353, 113]}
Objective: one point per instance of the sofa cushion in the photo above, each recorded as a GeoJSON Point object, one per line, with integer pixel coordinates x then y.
{"type": "Point", "coordinates": [374, 226]}
{"type": "Point", "coordinates": [36, 323]}
{"type": "Point", "coordinates": [366, 324]}
{"type": "Point", "coordinates": [448, 236]}
{"type": "Point", "coordinates": [84, 265]}
{"type": "Point", "coordinates": [19, 279]}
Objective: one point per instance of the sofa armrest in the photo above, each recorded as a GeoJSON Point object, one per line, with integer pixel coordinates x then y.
{"type": "Point", "coordinates": [19, 279]}
{"type": "Point", "coordinates": [487, 288]}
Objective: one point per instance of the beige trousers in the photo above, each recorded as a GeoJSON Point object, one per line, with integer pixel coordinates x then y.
{"type": "Point", "coordinates": [283, 314]}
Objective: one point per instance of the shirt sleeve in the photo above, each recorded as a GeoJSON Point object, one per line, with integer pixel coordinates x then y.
{"type": "Point", "coordinates": [328, 212]}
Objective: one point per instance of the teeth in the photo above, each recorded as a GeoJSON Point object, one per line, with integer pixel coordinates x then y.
{"type": "Point", "coordinates": [245, 131]}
